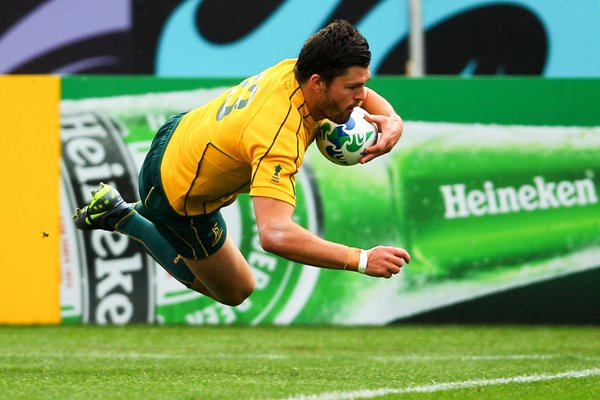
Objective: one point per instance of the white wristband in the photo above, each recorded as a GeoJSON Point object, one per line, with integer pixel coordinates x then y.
{"type": "Point", "coordinates": [362, 261]}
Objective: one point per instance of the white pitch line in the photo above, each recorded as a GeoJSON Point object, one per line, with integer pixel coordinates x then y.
{"type": "Point", "coordinates": [439, 387]}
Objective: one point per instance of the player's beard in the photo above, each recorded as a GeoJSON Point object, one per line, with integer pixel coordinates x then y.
{"type": "Point", "coordinates": [334, 115]}
{"type": "Point", "coordinates": [332, 111]}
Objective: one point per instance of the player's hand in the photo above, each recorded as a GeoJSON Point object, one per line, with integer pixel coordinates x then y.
{"type": "Point", "coordinates": [391, 131]}
{"type": "Point", "coordinates": [385, 261]}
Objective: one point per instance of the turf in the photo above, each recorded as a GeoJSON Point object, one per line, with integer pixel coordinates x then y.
{"type": "Point", "coordinates": [403, 362]}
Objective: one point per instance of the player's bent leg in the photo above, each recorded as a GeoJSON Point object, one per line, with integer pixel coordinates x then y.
{"type": "Point", "coordinates": [225, 274]}
{"type": "Point", "coordinates": [108, 211]}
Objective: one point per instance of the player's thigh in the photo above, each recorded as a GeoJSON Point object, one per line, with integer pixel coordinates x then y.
{"type": "Point", "coordinates": [226, 274]}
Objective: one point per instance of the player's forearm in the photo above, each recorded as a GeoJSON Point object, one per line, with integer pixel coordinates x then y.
{"type": "Point", "coordinates": [295, 243]}
{"type": "Point", "coordinates": [376, 104]}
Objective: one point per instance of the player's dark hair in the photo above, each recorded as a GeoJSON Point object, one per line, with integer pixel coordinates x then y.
{"type": "Point", "coordinates": [331, 51]}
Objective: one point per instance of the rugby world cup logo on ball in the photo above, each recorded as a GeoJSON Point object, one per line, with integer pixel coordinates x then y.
{"type": "Point", "coordinates": [344, 144]}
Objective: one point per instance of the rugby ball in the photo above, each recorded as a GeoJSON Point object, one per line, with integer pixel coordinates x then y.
{"type": "Point", "coordinates": [344, 144]}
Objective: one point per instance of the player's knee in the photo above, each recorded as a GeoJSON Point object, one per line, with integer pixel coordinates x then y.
{"type": "Point", "coordinates": [236, 298]}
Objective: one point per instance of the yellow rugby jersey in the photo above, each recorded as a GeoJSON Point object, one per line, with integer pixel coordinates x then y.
{"type": "Point", "coordinates": [251, 139]}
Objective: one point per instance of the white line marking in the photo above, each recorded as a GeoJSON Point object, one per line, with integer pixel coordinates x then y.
{"type": "Point", "coordinates": [439, 387]}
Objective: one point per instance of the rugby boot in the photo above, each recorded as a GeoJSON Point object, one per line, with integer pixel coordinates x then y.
{"type": "Point", "coordinates": [106, 209]}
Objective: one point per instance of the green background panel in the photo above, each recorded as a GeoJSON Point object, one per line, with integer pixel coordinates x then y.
{"type": "Point", "coordinates": [509, 101]}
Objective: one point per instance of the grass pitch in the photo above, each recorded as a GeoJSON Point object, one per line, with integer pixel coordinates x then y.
{"type": "Point", "coordinates": [402, 362]}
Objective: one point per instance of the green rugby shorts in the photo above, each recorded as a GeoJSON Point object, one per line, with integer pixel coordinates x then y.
{"type": "Point", "coordinates": [193, 237]}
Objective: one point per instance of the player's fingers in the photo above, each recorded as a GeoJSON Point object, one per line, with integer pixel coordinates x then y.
{"type": "Point", "coordinates": [379, 148]}
{"type": "Point", "coordinates": [395, 269]}
{"type": "Point", "coordinates": [379, 145]}
{"type": "Point", "coordinates": [366, 158]}
{"type": "Point", "coordinates": [403, 254]}
{"type": "Point", "coordinates": [376, 119]}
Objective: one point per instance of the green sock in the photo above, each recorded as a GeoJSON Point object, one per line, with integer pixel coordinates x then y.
{"type": "Point", "coordinates": [144, 232]}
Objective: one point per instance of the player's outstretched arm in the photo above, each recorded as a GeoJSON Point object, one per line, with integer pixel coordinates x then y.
{"type": "Point", "coordinates": [280, 235]}
{"type": "Point", "coordinates": [389, 122]}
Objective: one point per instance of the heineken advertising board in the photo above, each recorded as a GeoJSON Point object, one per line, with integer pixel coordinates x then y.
{"type": "Point", "coordinates": [481, 207]}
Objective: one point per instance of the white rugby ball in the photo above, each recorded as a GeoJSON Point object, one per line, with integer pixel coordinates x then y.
{"type": "Point", "coordinates": [344, 144]}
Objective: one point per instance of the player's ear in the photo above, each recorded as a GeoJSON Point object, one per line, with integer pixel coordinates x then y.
{"type": "Point", "coordinates": [317, 83]}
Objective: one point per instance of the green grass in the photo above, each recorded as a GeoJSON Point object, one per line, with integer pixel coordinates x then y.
{"type": "Point", "coordinates": [151, 362]}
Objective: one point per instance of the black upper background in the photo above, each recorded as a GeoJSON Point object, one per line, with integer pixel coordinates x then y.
{"type": "Point", "coordinates": [500, 39]}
